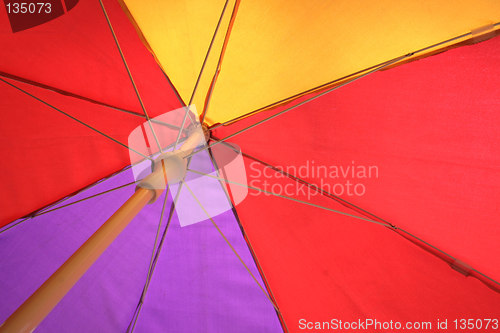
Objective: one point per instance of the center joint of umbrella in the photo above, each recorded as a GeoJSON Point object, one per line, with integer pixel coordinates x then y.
{"type": "Point", "coordinates": [206, 131]}
{"type": "Point", "coordinates": [169, 168]}
{"type": "Point", "coordinates": [203, 130]}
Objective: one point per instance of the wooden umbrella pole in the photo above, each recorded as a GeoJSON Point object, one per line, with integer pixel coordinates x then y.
{"type": "Point", "coordinates": [27, 317]}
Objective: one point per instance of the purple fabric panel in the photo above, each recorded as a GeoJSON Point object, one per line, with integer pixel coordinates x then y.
{"type": "Point", "coordinates": [198, 286]}
{"type": "Point", "coordinates": [32, 251]}
{"type": "Point", "coordinates": [199, 283]}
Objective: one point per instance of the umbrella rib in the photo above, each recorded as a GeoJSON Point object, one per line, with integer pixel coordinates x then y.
{"type": "Point", "coordinates": [156, 121]}
{"type": "Point", "coordinates": [176, 93]}
{"type": "Point", "coordinates": [84, 199]}
{"type": "Point", "coordinates": [446, 254]}
{"type": "Point", "coordinates": [299, 104]}
{"type": "Point", "coordinates": [74, 118]}
{"type": "Point", "coordinates": [390, 226]}
{"type": "Point", "coordinates": [292, 98]}
{"type": "Point", "coordinates": [43, 209]}
{"type": "Point", "coordinates": [130, 75]}
{"type": "Point", "coordinates": [134, 319]}
{"type": "Point", "coordinates": [318, 189]}
{"type": "Point", "coordinates": [249, 244]}
{"type": "Point", "coordinates": [201, 70]}
{"type": "Point", "coordinates": [232, 248]}
{"type": "Point", "coordinates": [156, 255]}
{"type": "Point", "coordinates": [219, 62]}
{"type": "Point", "coordinates": [354, 207]}
{"type": "Point", "coordinates": [67, 93]}
{"type": "Point", "coordinates": [472, 268]}
{"type": "Point", "coordinates": [154, 258]}
{"type": "Point", "coordinates": [291, 198]}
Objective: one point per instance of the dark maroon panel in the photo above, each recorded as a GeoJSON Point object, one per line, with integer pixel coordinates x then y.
{"type": "Point", "coordinates": [28, 14]}
{"type": "Point", "coordinates": [70, 4]}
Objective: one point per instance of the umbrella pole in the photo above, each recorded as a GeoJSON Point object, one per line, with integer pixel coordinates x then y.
{"type": "Point", "coordinates": [170, 166]}
{"type": "Point", "coordinates": [27, 317]}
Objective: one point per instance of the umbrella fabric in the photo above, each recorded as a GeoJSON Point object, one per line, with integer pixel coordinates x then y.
{"type": "Point", "coordinates": [74, 55]}
{"type": "Point", "coordinates": [78, 70]}
{"type": "Point", "coordinates": [198, 282]}
{"type": "Point", "coordinates": [275, 50]}
{"type": "Point", "coordinates": [430, 129]}
{"type": "Point", "coordinates": [427, 130]}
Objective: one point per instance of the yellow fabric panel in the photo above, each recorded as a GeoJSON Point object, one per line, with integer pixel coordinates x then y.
{"type": "Point", "coordinates": [281, 48]}
{"type": "Point", "coordinates": [179, 33]}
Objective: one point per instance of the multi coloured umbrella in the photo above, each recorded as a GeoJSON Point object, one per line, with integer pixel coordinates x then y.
{"type": "Point", "coordinates": [249, 166]}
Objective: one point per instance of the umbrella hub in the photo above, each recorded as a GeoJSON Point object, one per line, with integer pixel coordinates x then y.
{"type": "Point", "coordinates": [170, 167]}
{"type": "Point", "coordinates": [206, 131]}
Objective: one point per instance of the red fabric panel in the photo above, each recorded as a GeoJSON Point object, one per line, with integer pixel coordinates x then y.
{"type": "Point", "coordinates": [76, 53]}
{"type": "Point", "coordinates": [321, 265]}
{"type": "Point", "coordinates": [79, 60]}
{"type": "Point", "coordinates": [46, 155]}
{"type": "Point", "coordinates": [431, 128]}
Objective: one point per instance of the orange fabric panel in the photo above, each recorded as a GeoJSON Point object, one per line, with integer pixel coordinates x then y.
{"type": "Point", "coordinates": [278, 49]}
